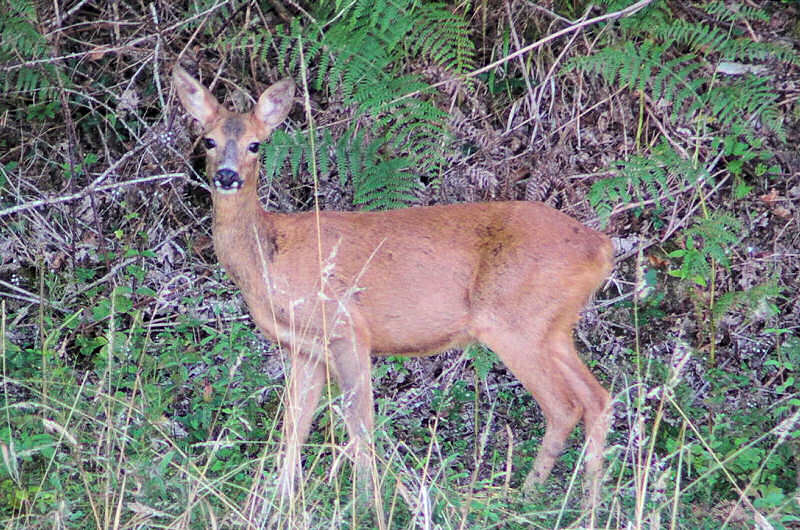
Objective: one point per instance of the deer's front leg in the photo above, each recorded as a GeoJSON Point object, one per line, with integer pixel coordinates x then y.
{"type": "Point", "coordinates": [351, 361]}
{"type": "Point", "coordinates": [306, 380]}
{"type": "Point", "coordinates": [302, 394]}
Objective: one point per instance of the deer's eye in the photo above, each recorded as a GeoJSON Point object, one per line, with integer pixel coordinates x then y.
{"type": "Point", "coordinates": [209, 143]}
{"type": "Point", "coordinates": [253, 147]}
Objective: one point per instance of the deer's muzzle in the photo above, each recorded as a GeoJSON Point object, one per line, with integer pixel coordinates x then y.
{"type": "Point", "coordinates": [227, 181]}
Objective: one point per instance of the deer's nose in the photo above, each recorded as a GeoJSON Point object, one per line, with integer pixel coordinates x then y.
{"type": "Point", "coordinates": [227, 180]}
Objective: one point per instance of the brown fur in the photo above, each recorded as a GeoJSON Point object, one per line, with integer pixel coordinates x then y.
{"type": "Point", "coordinates": [513, 275]}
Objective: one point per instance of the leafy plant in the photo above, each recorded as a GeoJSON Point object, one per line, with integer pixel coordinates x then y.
{"type": "Point", "coordinates": [708, 241]}
{"type": "Point", "coordinates": [647, 179]}
{"type": "Point", "coordinates": [357, 50]}
{"type": "Point", "coordinates": [21, 42]}
{"type": "Point", "coordinates": [726, 109]}
{"type": "Point", "coordinates": [483, 360]}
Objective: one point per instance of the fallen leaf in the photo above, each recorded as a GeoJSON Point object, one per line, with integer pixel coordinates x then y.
{"type": "Point", "coordinates": [770, 197]}
{"type": "Point", "coordinates": [783, 213]}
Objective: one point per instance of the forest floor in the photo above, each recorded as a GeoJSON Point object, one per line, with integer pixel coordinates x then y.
{"type": "Point", "coordinates": [137, 393]}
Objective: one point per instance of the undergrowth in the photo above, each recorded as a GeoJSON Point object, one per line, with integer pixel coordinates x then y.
{"type": "Point", "coordinates": [135, 392]}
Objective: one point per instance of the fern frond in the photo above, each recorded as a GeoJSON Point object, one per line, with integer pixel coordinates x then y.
{"type": "Point", "coordinates": [709, 40]}
{"type": "Point", "coordinates": [644, 178]}
{"type": "Point", "coordinates": [746, 49]}
{"type": "Point", "coordinates": [753, 299]}
{"type": "Point", "coordinates": [640, 66]}
{"type": "Point", "coordinates": [696, 36]}
{"type": "Point", "coordinates": [20, 40]}
{"type": "Point", "coordinates": [680, 80]}
{"type": "Point", "coordinates": [282, 146]}
{"type": "Point", "coordinates": [379, 181]}
{"type": "Point", "coordinates": [443, 37]}
{"type": "Point", "coordinates": [358, 56]}
{"type": "Point", "coordinates": [708, 240]}
{"type": "Point", "coordinates": [744, 99]}
{"type": "Point", "coordinates": [733, 12]}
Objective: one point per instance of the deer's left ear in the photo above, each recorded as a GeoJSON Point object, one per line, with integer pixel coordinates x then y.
{"type": "Point", "coordinates": [275, 103]}
{"type": "Point", "coordinates": [195, 98]}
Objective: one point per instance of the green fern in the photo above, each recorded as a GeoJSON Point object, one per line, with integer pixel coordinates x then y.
{"type": "Point", "coordinates": [443, 37]}
{"type": "Point", "coordinates": [358, 53]}
{"type": "Point", "coordinates": [643, 178]}
{"type": "Point", "coordinates": [708, 239]}
{"type": "Point", "coordinates": [379, 182]}
{"type": "Point", "coordinates": [281, 147]}
{"type": "Point", "coordinates": [727, 12]}
{"type": "Point", "coordinates": [756, 299]}
{"type": "Point", "coordinates": [20, 42]}
{"type": "Point", "coordinates": [679, 82]}
{"type": "Point", "coordinates": [708, 40]}
{"type": "Point", "coordinates": [748, 99]}
{"type": "Point", "coordinates": [652, 57]}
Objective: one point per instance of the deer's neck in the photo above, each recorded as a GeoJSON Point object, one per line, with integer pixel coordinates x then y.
{"type": "Point", "coordinates": [243, 236]}
{"type": "Point", "coordinates": [233, 210]}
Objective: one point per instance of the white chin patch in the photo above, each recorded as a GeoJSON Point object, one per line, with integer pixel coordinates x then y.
{"type": "Point", "coordinates": [235, 187]}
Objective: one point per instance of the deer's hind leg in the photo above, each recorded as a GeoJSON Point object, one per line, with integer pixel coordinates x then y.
{"type": "Point", "coordinates": [543, 358]}
{"type": "Point", "coordinates": [595, 403]}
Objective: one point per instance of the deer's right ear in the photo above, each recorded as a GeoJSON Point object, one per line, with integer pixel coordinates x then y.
{"type": "Point", "coordinates": [195, 98]}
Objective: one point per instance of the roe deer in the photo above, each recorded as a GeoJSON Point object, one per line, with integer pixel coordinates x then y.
{"type": "Point", "coordinates": [347, 285]}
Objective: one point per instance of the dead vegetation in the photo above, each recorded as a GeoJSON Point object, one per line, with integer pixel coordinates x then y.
{"type": "Point", "coordinates": [104, 211]}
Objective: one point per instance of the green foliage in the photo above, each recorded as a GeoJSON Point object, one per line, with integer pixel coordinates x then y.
{"type": "Point", "coordinates": [787, 360]}
{"type": "Point", "coordinates": [749, 455]}
{"type": "Point", "coordinates": [741, 11]}
{"type": "Point", "coordinates": [644, 178]}
{"type": "Point", "coordinates": [725, 109]}
{"type": "Point", "coordinates": [20, 43]}
{"type": "Point", "coordinates": [720, 442]}
{"type": "Point", "coordinates": [396, 132]}
{"type": "Point", "coordinates": [700, 37]}
{"type": "Point", "coordinates": [718, 42]}
{"type": "Point", "coordinates": [124, 404]}
{"type": "Point", "coordinates": [758, 299]}
{"type": "Point", "coordinates": [680, 82]}
{"type": "Point", "coordinates": [153, 398]}
{"type": "Point", "coordinates": [708, 239]}
{"type": "Point", "coordinates": [719, 111]}
{"type": "Point", "coordinates": [378, 181]}
{"type": "Point", "coordinates": [449, 402]}
{"type": "Point", "coordinates": [483, 360]}
{"type": "Point", "coordinates": [441, 35]}
{"type": "Point", "coordinates": [719, 101]}
{"type": "Point", "coordinates": [741, 150]}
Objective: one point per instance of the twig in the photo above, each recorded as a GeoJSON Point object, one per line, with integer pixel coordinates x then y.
{"type": "Point", "coordinates": [27, 296]}
{"type": "Point", "coordinates": [127, 46]}
{"type": "Point", "coordinates": [641, 4]}
{"type": "Point", "coordinates": [89, 189]}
